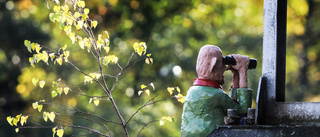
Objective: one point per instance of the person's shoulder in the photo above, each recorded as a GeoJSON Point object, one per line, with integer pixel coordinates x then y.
{"type": "Point", "coordinates": [207, 89]}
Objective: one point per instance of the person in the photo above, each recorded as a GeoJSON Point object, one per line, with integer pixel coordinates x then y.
{"type": "Point", "coordinates": [206, 103]}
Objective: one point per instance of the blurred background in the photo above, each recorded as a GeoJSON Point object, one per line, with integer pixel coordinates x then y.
{"type": "Point", "coordinates": [174, 32]}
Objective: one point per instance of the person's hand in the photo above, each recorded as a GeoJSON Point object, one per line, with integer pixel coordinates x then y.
{"type": "Point", "coordinates": [239, 70]}
{"type": "Point", "coordinates": [242, 62]}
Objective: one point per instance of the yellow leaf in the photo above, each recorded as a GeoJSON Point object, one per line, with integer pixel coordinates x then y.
{"type": "Point", "coordinates": [66, 54]}
{"type": "Point", "coordinates": [51, 56]}
{"type": "Point", "coordinates": [27, 44]}
{"type": "Point", "coordinates": [170, 90]}
{"type": "Point", "coordinates": [23, 120]}
{"type": "Point", "coordinates": [110, 58]}
{"type": "Point", "coordinates": [51, 116]}
{"type": "Point", "coordinates": [59, 90]}
{"type": "Point", "coordinates": [180, 98]}
{"type": "Point", "coordinates": [76, 15]}
{"type": "Point", "coordinates": [45, 116]}
{"type": "Point", "coordinates": [140, 48]}
{"type": "Point", "coordinates": [148, 92]}
{"type": "Point", "coordinates": [148, 55]}
{"type": "Point", "coordinates": [94, 24]}
{"type": "Point", "coordinates": [87, 79]}
{"type": "Point", "coordinates": [40, 107]}
{"type": "Point", "coordinates": [143, 86]}
{"type": "Point", "coordinates": [10, 120]}
{"type": "Point", "coordinates": [66, 90]}
{"type": "Point", "coordinates": [163, 119]}
{"type": "Point", "coordinates": [86, 11]}
{"type": "Point", "coordinates": [140, 92]}
{"type": "Point", "coordinates": [35, 105]}
{"type": "Point", "coordinates": [16, 120]}
{"type": "Point", "coordinates": [54, 94]}
{"type": "Point", "coordinates": [106, 48]}
{"type": "Point", "coordinates": [56, 8]}
{"type": "Point", "coordinates": [72, 37]}
{"type": "Point", "coordinates": [42, 83]}
{"type": "Point", "coordinates": [45, 56]}
{"type": "Point", "coordinates": [96, 101]}
{"type": "Point", "coordinates": [178, 89]}
{"type": "Point", "coordinates": [60, 132]}
{"type": "Point", "coordinates": [64, 47]}
{"type": "Point", "coordinates": [38, 48]}
{"type": "Point", "coordinates": [33, 45]}
{"type": "Point", "coordinates": [17, 130]}
{"type": "Point", "coordinates": [79, 24]}
{"type": "Point", "coordinates": [81, 4]}
{"type": "Point", "coordinates": [59, 60]}
{"type": "Point", "coordinates": [35, 81]}
{"type": "Point", "coordinates": [67, 29]}
{"type": "Point", "coordinates": [54, 130]}
{"type": "Point", "coordinates": [65, 8]}
{"type": "Point", "coordinates": [81, 42]}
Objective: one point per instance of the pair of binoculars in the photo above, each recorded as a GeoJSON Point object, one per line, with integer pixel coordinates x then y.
{"type": "Point", "coordinates": [229, 60]}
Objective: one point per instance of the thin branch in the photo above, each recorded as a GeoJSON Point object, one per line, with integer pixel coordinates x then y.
{"type": "Point", "coordinates": [146, 126]}
{"type": "Point", "coordinates": [147, 104]}
{"type": "Point", "coordinates": [87, 113]}
{"type": "Point", "coordinates": [103, 87]}
{"type": "Point", "coordinates": [89, 129]}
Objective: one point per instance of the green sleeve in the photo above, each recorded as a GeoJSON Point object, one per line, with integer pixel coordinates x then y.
{"type": "Point", "coordinates": [244, 98]}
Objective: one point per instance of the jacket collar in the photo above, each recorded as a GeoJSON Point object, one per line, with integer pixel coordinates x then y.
{"type": "Point", "coordinates": [206, 82]}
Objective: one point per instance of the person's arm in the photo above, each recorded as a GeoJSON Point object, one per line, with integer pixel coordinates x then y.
{"type": "Point", "coordinates": [239, 71]}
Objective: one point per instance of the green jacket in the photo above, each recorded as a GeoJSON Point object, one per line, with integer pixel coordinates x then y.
{"type": "Point", "coordinates": [206, 106]}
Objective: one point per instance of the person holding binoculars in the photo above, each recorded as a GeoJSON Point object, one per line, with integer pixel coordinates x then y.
{"type": "Point", "coordinates": [206, 103]}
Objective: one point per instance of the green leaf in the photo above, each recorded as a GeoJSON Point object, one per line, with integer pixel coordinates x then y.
{"type": "Point", "coordinates": [61, 26]}
{"type": "Point", "coordinates": [54, 94]}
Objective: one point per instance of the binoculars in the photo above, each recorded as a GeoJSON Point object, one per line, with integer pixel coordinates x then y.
{"type": "Point", "coordinates": [229, 60]}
